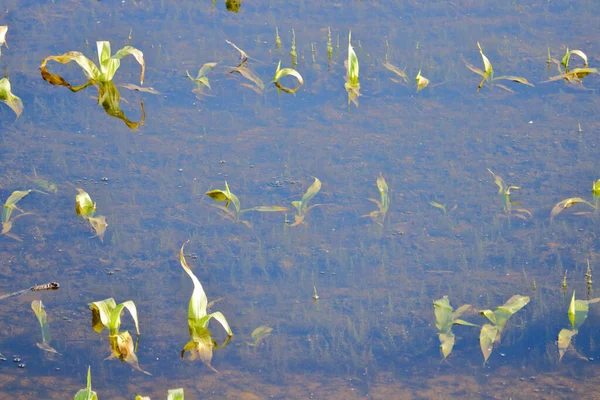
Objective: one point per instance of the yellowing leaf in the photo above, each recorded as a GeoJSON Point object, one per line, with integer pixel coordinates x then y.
{"type": "Point", "coordinates": [487, 337]}
{"type": "Point", "coordinates": [395, 70]}
{"type": "Point", "coordinates": [567, 203]}
{"type": "Point", "coordinates": [84, 206]}
{"type": "Point", "coordinates": [259, 334]}
{"type": "Point", "coordinates": [422, 82]}
{"type": "Point", "coordinates": [564, 341]}
{"type": "Point", "coordinates": [123, 348]}
{"type": "Point", "coordinates": [11, 203]}
{"type": "Point", "coordinates": [40, 313]}
{"type": "Point", "coordinates": [280, 73]}
{"type": "Point", "coordinates": [99, 225]}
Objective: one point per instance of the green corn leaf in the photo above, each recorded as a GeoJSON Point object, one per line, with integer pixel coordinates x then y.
{"type": "Point", "coordinates": [87, 393]}
{"type": "Point", "coordinates": [280, 73]}
{"type": "Point", "coordinates": [107, 314]}
{"type": "Point", "coordinates": [84, 206]}
{"type": "Point", "coordinates": [175, 394]}
{"type": "Point", "coordinates": [11, 203]}
{"type": "Point", "coordinates": [353, 68]}
{"type": "Point", "coordinates": [7, 97]}
{"type": "Point", "coordinates": [40, 313]}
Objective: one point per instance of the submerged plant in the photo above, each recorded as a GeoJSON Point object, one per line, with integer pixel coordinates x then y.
{"type": "Point", "coordinates": [280, 73]}
{"type": "Point", "coordinates": [235, 215]}
{"type": "Point", "coordinates": [488, 74]}
{"type": "Point", "coordinates": [3, 30]}
{"type": "Point", "coordinates": [8, 98]}
{"type": "Point", "coordinates": [293, 54]}
{"type": "Point", "coordinates": [107, 64]}
{"type": "Point", "coordinates": [107, 314]}
{"type": "Point", "coordinates": [445, 319]}
{"type": "Point", "coordinates": [9, 206]}
{"type": "Point", "coordinates": [86, 208]}
{"type": "Point", "coordinates": [504, 191]}
{"type": "Point", "coordinates": [40, 313]}
{"type": "Point", "coordinates": [352, 70]}
{"type": "Point", "coordinates": [87, 393]}
{"type": "Point", "coordinates": [201, 343]}
{"type": "Point", "coordinates": [396, 71]}
{"type": "Point", "coordinates": [201, 79]}
{"type": "Point", "coordinates": [575, 75]}
{"type": "Point", "coordinates": [302, 205]}
{"type": "Point", "coordinates": [101, 76]}
{"type": "Point", "coordinates": [383, 204]}
{"type": "Point", "coordinates": [44, 184]}
{"type": "Point", "coordinates": [490, 333]}
{"type": "Point", "coordinates": [578, 312]}
{"type": "Point", "coordinates": [568, 203]}
{"type": "Point", "coordinates": [259, 334]}
{"type": "Point", "coordinates": [422, 82]}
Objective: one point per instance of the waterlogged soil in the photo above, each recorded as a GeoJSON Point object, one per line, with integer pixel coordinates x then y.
{"type": "Point", "coordinates": [372, 331]}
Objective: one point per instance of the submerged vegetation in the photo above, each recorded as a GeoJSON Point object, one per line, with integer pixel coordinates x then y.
{"type": "Point", "coordinates": [235, 215]}
{"type": "Point", "coordinates": [445, 319]}
{"type": "Point", "coordinates": [487, 74]}
{"type": "Point", "coordinates": [8, 98]}
{"type": "Point", "coordinates": [352, 69]}
{"type": "Point", "coordinates": [9, 206]}
{"type": "Point", "coordinates": [383, 204]}
{"type": "Point", "coordinates": [302, 206]}
{"type": "Point", "coordinates": [201, 344]}
{"type": "Point", "coordinates": [101, 76]}
{"type": "Point", "coordinates": [578, 312]}
{"type": "Point", "coordinates": [490, 333]}
{"type": "Point", "coordinates": [86, 209]}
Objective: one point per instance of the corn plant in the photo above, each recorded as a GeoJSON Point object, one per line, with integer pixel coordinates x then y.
{"type": "Point", "coordinates": [8, 98]}
{"type": "Point", "coordinates": [488, 74]}
{"type": "Point", "coordinates": [578, 312]}
{"type": "Point", "coordinates": [490, 333]}
{"type": "Point", "coordinates": [108, 64]}
{"type": "Point", "coordinates": [40, 313]}
{"type": "Point", "coordinates": [3, 30]}
{"type": "Point", "coordinates": [445, 319]}
{"type": "Point", "coordinates": [9, 206]}
{"type": "Point", "coordinates": [280, 73]}
{"type": "Point", "coordinates": [87, 393]}
{"type": "Point", "coordinates": [568, 203]}
{"type": "Point", "coordinates": [201, 344]}
{"type": "Point", "coordinates": [107, 314]}
{"type": "Point", "coordinates": [352, 84]}
{"type": "Point", "coordinates": [572, 76]}
{"type": "Point", "coordinates": [383, 204]}
{"type": "Point", "coordinates": [504, 191]}
{"type": "Point", "coordinates": [235, 215]}
{"type": "Point", "coordinates": [201, 79]}
{"type": "Point", "coordinates": [302, 206]}
{"type": "Point", "coordinates": [86, 208]}
{"type": "Point", "coordinates": [422, 82]}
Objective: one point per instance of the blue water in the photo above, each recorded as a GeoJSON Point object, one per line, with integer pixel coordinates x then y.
{"type": "Point", "coordinates": [372, 331]}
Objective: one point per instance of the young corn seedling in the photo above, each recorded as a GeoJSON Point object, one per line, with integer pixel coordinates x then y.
{"type": "Point", "coordinates": [578, 312]}
{"type": "Point", "coordinates": [504, 191]}
{"type": "Point", "coordinates": [107, 314]}
{"type": "Point", "coordinates": [445, 319]}
{"type": "Point", "coordinates": [173, 394]}
{"type": "Point", "coordinates": [87, 393]}
{"type": "Point", "coordinates": [3, 30]}
{"type": "Point", "coordinates": [235, 215]}
{"type": "Point", "coordinates": [259, 334]}
{"type": "Point", "coordinates": [568, 203]}
{"type": "Point", "coordinates": [86, 208]}
{"type": "Point", "coordinates": [488, 74]}
{"type": "Point", "coordinates": [422, 82]}
{"type": "Point", "coordinates": [490, 333]}
{"type": "Point", "coordinates": [352, 70]}
{"type": "Point", "coordinates": [8, 98]}
{"type": "Point", "coordinates": [40, 313]}
{"type": "Point", "coordinates": [108, 65]}
{"type": "Point", "coordinates": [400, 73]}
{"type": "Point", "coordinates": [280, 73]}
{"type": "Point", "coordinates": [201, 79]}
{"type": "Point", "coordinates": [572, 76]}
{"type": "Point", "coordinates": [383, 204]}
{"type": "Point", "coordinates": [9, 206]}
{"type": "Point", "coordinates": [201, 344]}
{"type": "Point", "coordinates": [302, 205]}
{"type": "Point", "coordinates": [100, 76]}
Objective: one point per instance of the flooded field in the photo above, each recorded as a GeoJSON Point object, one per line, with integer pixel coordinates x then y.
{"type": "Point", "coordinates": [336, 216]}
